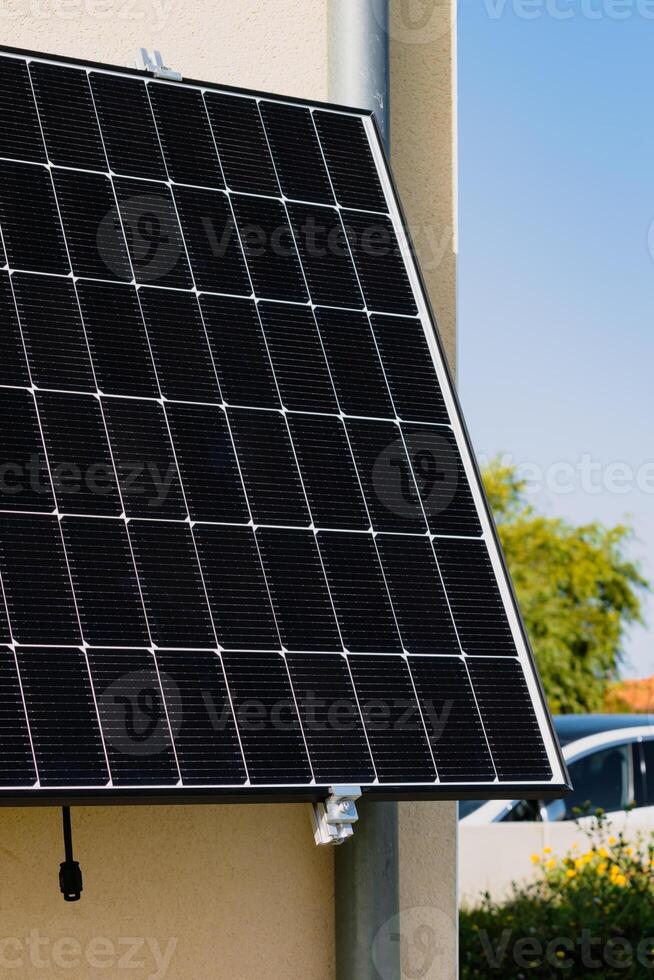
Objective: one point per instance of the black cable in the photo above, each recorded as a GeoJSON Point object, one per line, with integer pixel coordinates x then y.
{"type": "Point", "coordinates": [70, 874]}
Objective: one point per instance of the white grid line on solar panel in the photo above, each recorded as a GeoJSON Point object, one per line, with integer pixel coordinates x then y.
{"type": "Point", "coordinates": [508, 600]}
{"type": "Point", "coordinates": [113, 463]}
{"type": "Point", "coordinates": [183, 490]}
{"type": "Point", "coordinates": [284, 411]}
{"type": "Point", "coordinates": [297, 462]}
{"type": "Point", "coordinates": [193, 290]}
{"type": "Point", "coordinates": [117, 73]}
{"type": "Point", "coordinates": [63, 544]}
{"type": "Point", "coordinates": [186, 521]}
{"type": "Point", "coordinates": [229, 426]}
{"type": "Point", "coordinates": [190, 783]}
{"type": "Point", "coordinates": [349, 441]}
{"type": "Point", "coordinates": [392, 400]}
{"type": "Point", "coordinates": [226, 191]}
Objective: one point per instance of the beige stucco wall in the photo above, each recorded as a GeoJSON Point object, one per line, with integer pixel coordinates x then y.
{"type": "Point", "coordinates": [238, 893]}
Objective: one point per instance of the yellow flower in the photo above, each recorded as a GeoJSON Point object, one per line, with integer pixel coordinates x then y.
{"type": "Point", "coordinates": [579, 863]}
{"type": "Point", "coordinates": [612, 841]}
{"type": "Point", "coordinates": [571, 873]}
{"type": "Point", "coordinates": [550, 864]}
{"type": "Point", "coordinates": [547, 850]}
{"type": "Point", "coordinates": [603, 852]}
{"type": "Point", "coordinates": [601, 868]}
{"type": "Point", "coordinates": [535, 859]}
{"type": "Point", "coordinates": [629, 851]}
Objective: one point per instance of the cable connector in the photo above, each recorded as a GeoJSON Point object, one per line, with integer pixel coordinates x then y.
{"type": "Point", "coordinates": [70, 873]}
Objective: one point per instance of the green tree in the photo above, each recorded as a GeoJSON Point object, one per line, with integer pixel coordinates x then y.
{"type": "Point", "coordinates": [577, 590]}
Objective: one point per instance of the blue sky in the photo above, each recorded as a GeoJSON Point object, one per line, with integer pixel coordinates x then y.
{"type": "Point", "coordinates": [556, 368]}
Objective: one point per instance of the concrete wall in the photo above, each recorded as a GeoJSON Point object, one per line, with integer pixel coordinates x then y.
{"type": "Point", "coordinates": [493, 856]}
{"type": "Point", "coordinates": [236, 892]}
{"type": "Point", "coordinates": [423, 141]}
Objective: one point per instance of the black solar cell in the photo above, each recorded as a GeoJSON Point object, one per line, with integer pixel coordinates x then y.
{"type": "Point", "coordinates": [239, 352]}
{"type": "Point", "coordinates": [242, 144]}
{"type": "Point", "coordinates": [25, 483]}
{"type": "Point", "coordinates": [358, 590]}
{"type": "Point", "coordinates": [269, 249]}
{"type": "Point", "coordinates": [268, 465]}
{"type": "Point", "coordinates": [207, 463]}
{"type": "Point", "coordinates": [68, 116]}
{"type": "Point", "coordinates": [298, 359]}
{"type": "Point", "coordinates": [456, 733]}
{"type": "Point", "coordinates": [62, 717]}
{"type": "Point", "coordinates": [201, 718]}
{"type": "Point", "coordinates": [392, 719]}
{"type": "Point", "coordinates": [128, 128]}
{"type": "Point", "coordinates": [13, 365]}
{"type": "Point", "coordinates": [474, 595]}
{"type": "Point", "coordinates": [104, 580]}
{"type": "Point", "coordinates": [409, 369]}
{"type": "Point", "coordinates": [296, 152]}
{"type": "Point", "coordinates": [331, 719]}
{"type": "Point", "coordinates": [354, 363]}
{"type": "Point", "coordinates": [178, 343]}
{"type": "Point", "coordinates": [137, 736]}
{"type": "Point", "coordinates": [31, 229]}
{"type": "Point", "coordinates": [185, 135]}
{"type": "Point", "coordinates": [300, 597]}
{"type": "Point", "coordinates": [144, 459]}
{"type": "Point", "coordinates": [53, 332]}
{"type": "Point", "coordinates": [36, 580]}
{"type": "Point", "coordinates": [16, 759]}
{"type": "Point", "coordinates": [267, 719]}
{"type": "Point", "coordinates": [78, 453]}
{"type": "Point", "coordinates": [328, 472]}
{"type": "Point", "coordinates": [236, 586]}
{"type": "Point", "coordinates": [171, 583]}
{"type": "Point", "coordinates": [117, 340]}
{"type": "Point", "coordinates": [386, 476]}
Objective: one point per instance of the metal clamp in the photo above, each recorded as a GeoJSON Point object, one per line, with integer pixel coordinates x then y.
{"type": "Point", "coordinates": [333, 819]}
{"type": "Point", "coordinates": [156, 66]}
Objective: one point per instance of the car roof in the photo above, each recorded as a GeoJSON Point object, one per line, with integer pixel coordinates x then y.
{"type": "Point", "coordinates": [569, 728]}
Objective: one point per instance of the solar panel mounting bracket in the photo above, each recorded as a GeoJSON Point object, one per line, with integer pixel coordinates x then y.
{"type": "Point", "coordinates": [155, 64]}
{"type": "Point", "coordinates": [333, 820]}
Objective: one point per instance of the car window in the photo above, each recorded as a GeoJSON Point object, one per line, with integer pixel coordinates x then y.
{"type": "Point", "coordinates": [648, 774]}
{"type": "Point", "coordinates": [466, 807]}
{"type": "Point", "coordinates": [602, 779]}
{"type": "Point", "coordinates": [523, 810]}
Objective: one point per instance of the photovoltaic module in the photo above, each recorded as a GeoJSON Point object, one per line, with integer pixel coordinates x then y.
{"type": "Point", "coordinates": [244, 548]}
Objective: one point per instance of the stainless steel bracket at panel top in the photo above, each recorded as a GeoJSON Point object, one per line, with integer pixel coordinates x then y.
{"type": "Point", "coordinates": [155, 65]}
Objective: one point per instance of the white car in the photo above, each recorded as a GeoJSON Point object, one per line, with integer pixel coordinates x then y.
{"type": "Point", "coordinates": [611, 763]}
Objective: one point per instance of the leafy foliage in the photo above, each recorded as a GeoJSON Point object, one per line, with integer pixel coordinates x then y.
{"type": "Point", "coordinates": [586, 915]}
{"type": "Point", "coordinates": [577, 590]}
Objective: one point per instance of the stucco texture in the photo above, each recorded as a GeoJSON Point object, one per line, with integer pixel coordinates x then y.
{"type": "Point", "coordinates": [239, 893]}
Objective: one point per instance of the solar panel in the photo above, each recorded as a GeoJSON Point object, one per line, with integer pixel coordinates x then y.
{"type": "Point", "coordinates": [244, 548]}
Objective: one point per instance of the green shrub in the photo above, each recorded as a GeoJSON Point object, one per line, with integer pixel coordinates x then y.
{"type": "Point", "coordinates": [588, 914]}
